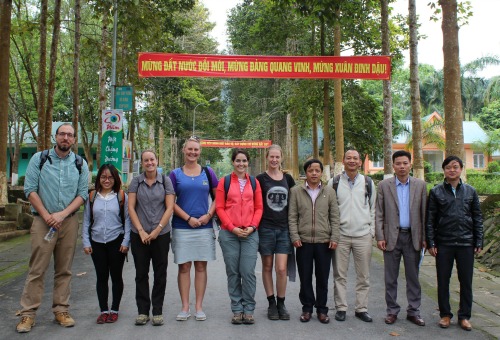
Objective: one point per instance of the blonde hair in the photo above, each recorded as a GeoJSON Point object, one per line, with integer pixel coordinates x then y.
{"type": "Point", "coordinates": [274, 147]}
{"type": "Point", "coordinates": [195, 139]}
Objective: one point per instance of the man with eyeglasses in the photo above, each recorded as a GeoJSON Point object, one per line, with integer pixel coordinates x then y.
{"type": "Point", "coordinates": [454, 230]}
{"type": "Point", "coordinates": [56, 191]}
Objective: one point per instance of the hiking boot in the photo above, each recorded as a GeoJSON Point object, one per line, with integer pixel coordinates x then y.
{"type": "Point", "coordinates": [272, 311]}
{"type": "Point", "coordinates": [248, 319]}
{"type": "Point", "coordinates": [157, 320]}
{"type": "Point", "coordinates": [64, 319]}
{"type": "Point", "coordinates": [283, 312]}
{"type": "Point", "coordinates": [237, 319]}
{"type": "Point", "coordinates": [141, 319]}
{"type": "Point", "coordinates": [25, 324]}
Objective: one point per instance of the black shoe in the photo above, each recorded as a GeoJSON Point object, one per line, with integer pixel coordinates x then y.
{"type": "Point", "coordinates": [283, 312]}
{"type": "Point", "coordinates": [340, 315]}
{"type": "Point", "coordinates": [364, 316]}
{"type": "Point", "coordinates": [272, 311]}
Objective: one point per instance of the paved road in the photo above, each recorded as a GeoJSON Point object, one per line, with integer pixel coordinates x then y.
{"type": "Point", "coordinates": [84, 309]}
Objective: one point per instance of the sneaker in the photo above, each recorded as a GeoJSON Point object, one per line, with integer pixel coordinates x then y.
{"type": "Point", "coordinates": [141, 319]}
{"type": "Point", "coordinates": [283, 312]}
{"type": "Point", "coordinates": [248, 319]}
{"type": "Point", "coordinates": [200, 316]}
{"type": "Point", "coordinates": [64, 319]}
{"type": "Point", "coordinates": [183, 316]}
{"type": "Point", "coordinates": [237, 319]}
{"type": "Point", "coordinates": [103, 318]}
{"type": "Point", "coordinates": [24, 326]}
{"type": "Point", "coordinates": [112, 317]}
{"type": "Point", "coordinates": [157, 320]}
{"type": "Point", "coordinates": [272, 311]}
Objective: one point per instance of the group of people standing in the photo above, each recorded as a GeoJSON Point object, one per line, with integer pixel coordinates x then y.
{"type": "Point", "coordinates": [268, 214]}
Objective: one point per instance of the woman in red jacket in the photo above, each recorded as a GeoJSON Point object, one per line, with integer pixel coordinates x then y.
{"type": "Point", "coordinates": [239, 207]}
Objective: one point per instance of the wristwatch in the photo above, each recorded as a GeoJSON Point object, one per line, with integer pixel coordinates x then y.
{"type": "Point", "coordinates": [253, 227]}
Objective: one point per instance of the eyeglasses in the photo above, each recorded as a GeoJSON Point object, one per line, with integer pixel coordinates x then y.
{"type": "Point", "coordinates": [65, 134]}
{"type": "Point", "coordinates": [195, 138]}
{"type": "Point", "coordinates": [109, 178]}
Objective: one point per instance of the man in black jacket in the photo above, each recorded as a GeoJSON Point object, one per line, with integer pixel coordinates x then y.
{"type": "Point", "coordinates": [454, 231]}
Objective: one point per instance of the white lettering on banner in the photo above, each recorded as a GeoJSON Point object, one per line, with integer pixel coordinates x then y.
{"type": "Point", "coordinates": [111, 149]}
{"type": "Point", "coordinates": [111, 139]}
{"type": "Point", "coordinates": [110, 159]}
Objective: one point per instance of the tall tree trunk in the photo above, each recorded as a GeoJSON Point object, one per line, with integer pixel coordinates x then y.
{"type": "Point", "coordinates": [52, 72]}
{"type": "Point", "coordinates": [102, 84]}
{"type": "Point", "coordinates": [337, 101]}
{"type": "Point", "coordinates": [42, 69]}
{"type": "Point", "coordinates": [418, 155]}
{"type": "Point", "coordinates": [451, 80]}
{"type": "Point", "coordinates": [326, 112]}
{"type": "Point", "coordinates": [5, 24]}
{"type": "Point", "coordinates": [315, 134]}
{"type": "Point", "coordinates": [132, 138]}
{"type": "Point", "coordinates": [295, 147]}
{"type": "Point", "coordinates": [387, 95]}
{"type": "Point", "coordinates": [287, 148]}
{"type": "Point", "coordinates": [76, 78]}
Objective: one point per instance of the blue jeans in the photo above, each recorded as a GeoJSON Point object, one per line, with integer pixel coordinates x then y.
{"type": "Point", "coordinates": [240, 257]}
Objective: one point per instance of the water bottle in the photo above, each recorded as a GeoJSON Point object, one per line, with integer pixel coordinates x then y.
{"type": "Point", "coordinates": [50, 234]}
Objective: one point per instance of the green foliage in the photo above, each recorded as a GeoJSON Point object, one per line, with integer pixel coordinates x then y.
{"type": "Point", "coordinates": [20, 181]}
{"type": "Point", "coordinates": [427, 167]}
{"type": "Point", "coordinates": [433, 177]}
{"type": "Point", "coordinates": [494, 167]}
{"type": "Point", "coordinates": [484, 183]}
{"type": "Point", "coordinates": [378, 176]}
{"type": "Point", "coordinates": [490, 116]}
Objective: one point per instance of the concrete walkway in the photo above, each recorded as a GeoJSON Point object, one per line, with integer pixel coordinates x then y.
{"type": "Point", "coordinates": [14, 257]}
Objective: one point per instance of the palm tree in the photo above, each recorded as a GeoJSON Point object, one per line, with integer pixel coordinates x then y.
{"type": "Point", "coordinates": [489, 146]}
{"type": "Point", "coordinates": [432, 133]}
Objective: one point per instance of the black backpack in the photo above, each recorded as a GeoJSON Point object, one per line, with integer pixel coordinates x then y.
{"type": "Point", "coordinates": [44, 156]}
{"type": "Point", "coordinates": [368, 186]}
{"type": "Point", "coordinates": [227, 183]}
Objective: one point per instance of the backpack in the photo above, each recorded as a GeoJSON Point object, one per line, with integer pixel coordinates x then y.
{"type": "Point", "coordinates": [227, 183]}
{"type": "Point", "coordinates": [121, 203]}
{"type": "Point", "coordinates": [210, 184]}
{"type": "Point", "coordinates": [44, 156]}
{"type": "Point", "coordinates": [164, 182]}
{"type": "Point", "coordinates": [368, 187]}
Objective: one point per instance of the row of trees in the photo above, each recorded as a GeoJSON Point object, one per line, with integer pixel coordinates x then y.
{"type": "Point", "coordinates": [75, 38]}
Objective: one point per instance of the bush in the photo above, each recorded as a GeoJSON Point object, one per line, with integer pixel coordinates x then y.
{"type": "Point", "coordinates": [20, 181]}
{"type": "Point", "coordinates": [494, 166]}
{"type": "Point", "coordinates": [434, 177]}
{"type": "Point", "coordinates": [427, 167]}
{"type": "Point", "coordinates": [378, 176]}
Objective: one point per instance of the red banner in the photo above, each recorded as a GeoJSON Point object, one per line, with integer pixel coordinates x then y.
{"type": "Point", "coordinates": [239, 66]}
{"type": "Point", "coordinates": [243, 144]}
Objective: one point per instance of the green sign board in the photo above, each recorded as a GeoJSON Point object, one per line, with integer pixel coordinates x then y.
{"type": "Point", "coordinates": [124, 98]}
{"type": "Point", "coordinates": [112, 138]}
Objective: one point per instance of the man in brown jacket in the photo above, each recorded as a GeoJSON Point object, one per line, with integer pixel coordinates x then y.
{"type": "Point", "coordinates": [400, 232]}
{"type": "Point", "coordinates": [313, 219]}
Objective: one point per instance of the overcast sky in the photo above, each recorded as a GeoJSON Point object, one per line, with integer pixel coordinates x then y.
{"type": "Point", "coordinates": [479, 38]}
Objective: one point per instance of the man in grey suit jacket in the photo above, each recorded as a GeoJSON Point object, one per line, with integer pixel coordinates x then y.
{"type": "Point", "coordinates": [400, 231]}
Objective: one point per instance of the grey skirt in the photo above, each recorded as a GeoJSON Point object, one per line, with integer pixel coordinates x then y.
{"type": "Point", "coordinates": [193, 245]}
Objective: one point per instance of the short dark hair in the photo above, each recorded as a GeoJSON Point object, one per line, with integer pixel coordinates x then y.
{"type": "Point", "coordinates": [450, 159]}
{"type": "Point", "coordinates": [311, 162]}
{"type": "Point", "coordinates": [401, 153]}
{"type": "Point", "coordinates": [65, 124]}
{"type": "Point", "coordinates": [352, 149]}
{"type": "Point", "coordinates": [114, 172]}
{"type": "Point", "coordinates": [238, 151]}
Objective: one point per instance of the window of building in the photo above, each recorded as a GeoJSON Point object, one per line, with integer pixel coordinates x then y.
{"type": "Point", "coordinates": [24, 155]}
{"type": "Point", "coordinates": [378, 164]}
{"type": "Point", "coordinates": [478, 160]}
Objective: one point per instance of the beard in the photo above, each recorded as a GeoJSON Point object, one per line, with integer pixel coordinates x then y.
{"type": "Point", "coordinates": [63, 148]}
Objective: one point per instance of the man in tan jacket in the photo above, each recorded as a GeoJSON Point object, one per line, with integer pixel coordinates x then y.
{"type": "Point", "coordinates": [313, 219]}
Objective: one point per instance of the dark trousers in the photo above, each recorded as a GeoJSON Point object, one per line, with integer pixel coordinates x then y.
{"type": "Point", "coordinates": [392, 259]}
{"type": "Point", "coordinates": [317, 256]}
{"type": "Point", "coordinates": [108, 261]}
{"type": "Point", "coordinates": [464, 257]}
{"type": "Point", "coordinates": [157, 253]}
